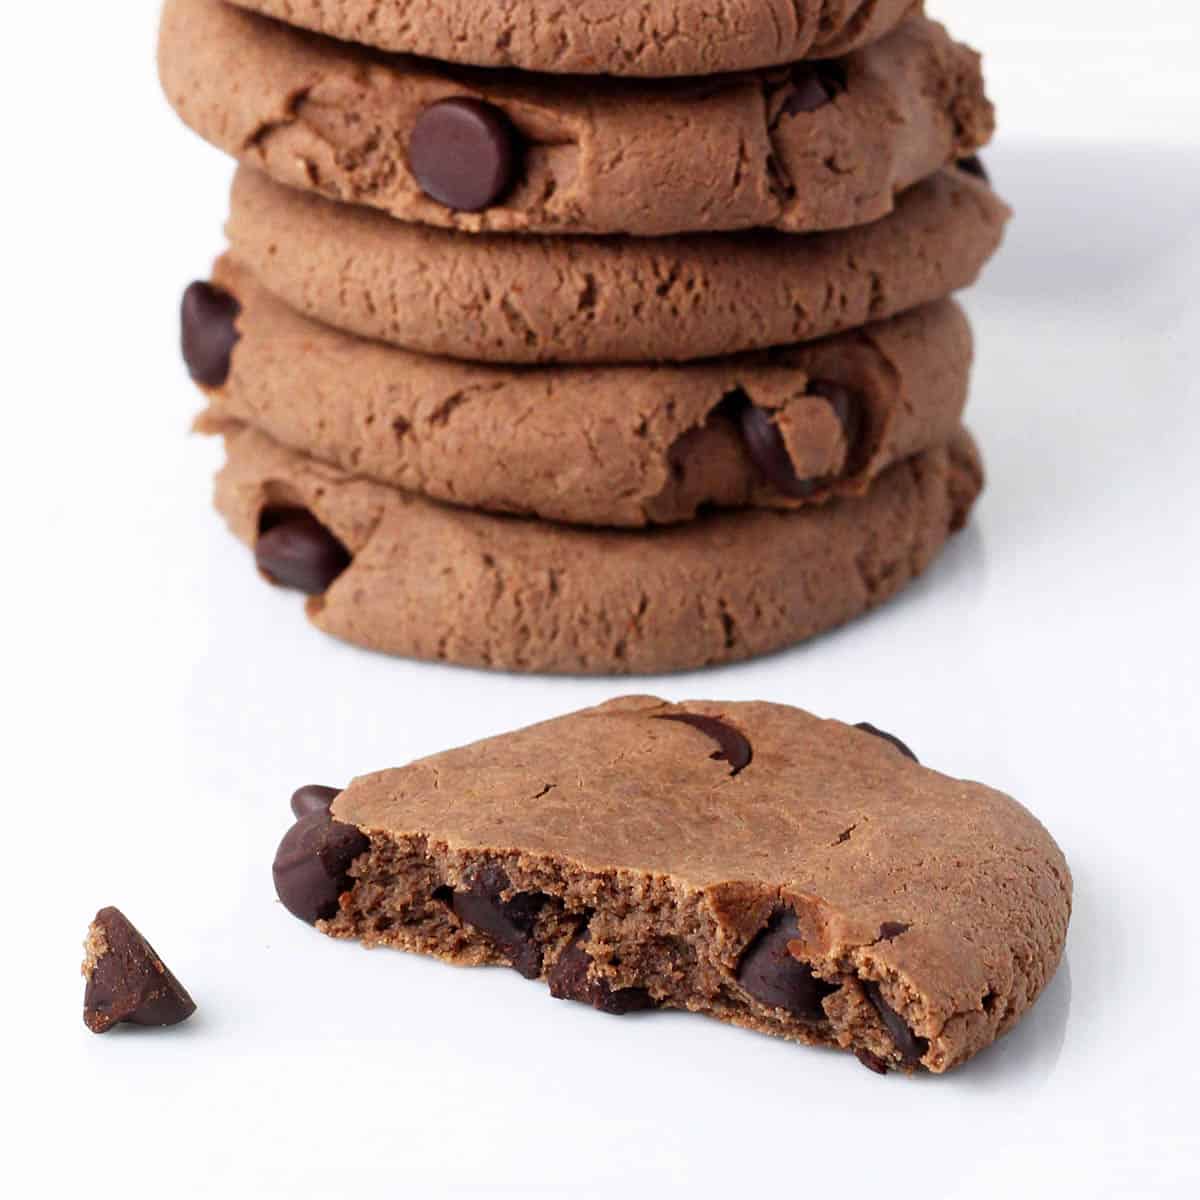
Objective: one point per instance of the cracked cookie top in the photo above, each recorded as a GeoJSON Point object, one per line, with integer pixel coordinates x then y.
{"type": "Point", "coordinates": [602, 37]}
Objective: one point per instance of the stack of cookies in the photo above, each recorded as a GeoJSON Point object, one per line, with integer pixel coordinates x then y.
{"type": "Point", "coordinates": [606, 337]}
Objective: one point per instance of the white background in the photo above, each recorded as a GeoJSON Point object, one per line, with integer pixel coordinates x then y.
{"type": "Point", "coordinates": [163, 703]}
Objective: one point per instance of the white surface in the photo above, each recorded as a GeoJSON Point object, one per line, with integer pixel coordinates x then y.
{"type": "Point", "coordinates": [163, 703]}
{"type": "Point", "coordinates": [1093, 70]}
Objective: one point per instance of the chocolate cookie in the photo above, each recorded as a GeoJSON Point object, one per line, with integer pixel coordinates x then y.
{"type": "Point", "coordinates": [798, 149]}
{"type": "Point", "coordinates": [433, 582]}
{"type": "Point", "coordinates": [494, 298]}
{"type": "Point", "coordinates": [750, 861]}
{"type": "Point", "coordinates": [603, 37]}
{"type": "Point", "coordinates": [622, 446]}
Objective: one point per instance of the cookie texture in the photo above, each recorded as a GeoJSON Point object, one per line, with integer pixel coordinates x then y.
{"type": "Point", "coordinates": [602, 37]}
{"type": "Point", "coordinates": [493, 298]}
{"type": "Point", "coordinates": [625, 445]}
{"type": "Point", "coordinates": [433, 582]}
{"type": "Point", "coordinates": [596, 156]}
{"type": "Point", "coordinates": [816, 883]}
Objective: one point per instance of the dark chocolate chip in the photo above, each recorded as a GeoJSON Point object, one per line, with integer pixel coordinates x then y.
{"type": "Point", "coordinates": [734, 748]}
{"type": "Point", "coordinates": [871, 1061]}
{"type": "Point", "coordinates": [867, 727]}
{"type": "Point", "coordinates": [509, 923]}
{"type": "Point", "coordinates": [208, 318]}
{"type": "Point", "coordinates": [973, 165]}
{"type": "Point", "coordinates": [312, 864]}
{"type": "Point", "coordinates": [313, 798]}
{"type": "Point", "coordinates": [570, 979]}
{"type": "Point", "coordinates": [464, 154]}
{"type": "Point", "coordinates": [846, 407]}
{"type": "Point", "coordinates": [770, 973]}
{"type": "Point", "coordinates": [912, 1048]}
{"type": "Point", "coordinates": [812, 86]}
{"type": "Point", "coordinates": [767, 449]}
{"type": "Point", "coordinates": [892, 929]}
{"type": "Point", "coordinates": [126, 980]}
{"type": "Point", "coordinates": [295, 550]}
{"type": "Point", "coordinates": [769, 454]}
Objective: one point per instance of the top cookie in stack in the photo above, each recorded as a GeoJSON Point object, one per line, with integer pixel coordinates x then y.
{"type": "Point", "coordinates": [646, 38]}
{"type": "Point", "coordinates": [697, 327]}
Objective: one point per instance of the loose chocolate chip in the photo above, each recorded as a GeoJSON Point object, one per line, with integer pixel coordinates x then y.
{"type": "Point", "coordinates": [892, 929]}
{"type": "Point", "coordinates": [126, 980]}
{"type": "Point", "coordinates": [867, 727]}
{"type": "Point", "coordinates": [871, 1061]}
{"type": "Point", "coordinates": [770, 973]}
{"type": "Point", "coordinates": [509, 923]}
{"type": "Point", "coordinates": [735, 749]}
{"type": "Point", "coordinates": [295, 550]}
{"type": "Point", "coordinates": [313, 798]}
{"type": "Point", "coordinates": [464, 154]}
{"type": "Point", "coordinates": [912, 1048]}
{"type": "Point", "coordinates": [812, 86]}
{"type": "Point", "coordinates": [208, 318]}
{"type": "Point", "coordinates": [569, 979]}
{"type": "Point", "coordinates": [766, 446]}
{"type": "Point", "coordinates": [973, 165]}
{"type": "Point", "coordinates": [312, 864]}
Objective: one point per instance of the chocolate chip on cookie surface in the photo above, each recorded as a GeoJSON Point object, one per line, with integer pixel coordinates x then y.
{"type": "Point", "coordinates": [208, 332]}
{"type": "Point", "coordinates": [296, 551]}
{"type": "Point", "coordinates": [464, 153]}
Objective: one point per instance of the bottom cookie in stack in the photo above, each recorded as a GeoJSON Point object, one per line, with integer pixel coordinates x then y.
{"type": "Point", "coordinates": [400, 573]}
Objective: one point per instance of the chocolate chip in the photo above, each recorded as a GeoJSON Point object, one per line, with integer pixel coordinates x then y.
{"type": "Point", "coordinates": [313, 798]}
{"type": "Point", "coordinates": [295, 550]}
{"type": "Point", "coordinates": [769, 454]}
{"type": "Point", "coordinates": [973, 165]}
{"type": "Point", "coordinates": [892, 929]}
{"type": "Point", "coordinates": [767, 449]}
{"type": "Point", "coordinates": [464, 154]}
{"type": "Point", "coordinates": [208, 319]}
{"type": "Point", "coordinates": [871, 1061]}
{"type": "Point", "coordinates": [770, 973]}
{"type": "Point", "coordinates": [735, 749]}
{"type": "Point", "coordinates": [509, 923]}
{"type": "Point", "coordinates": [912, 1048]}
{"type": "Point", "coordinates": [570, 979]}
{"type": "Point", "coordinates": [846, 407]}
{"type": "Point", "coordinates": [312, 864]}
{"type": "Point", "coordinates": [812, 86]}
{"type": "Point", "coordinates": [126, 980]}
{"type": "Point", "coordinates": [867, 727]}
